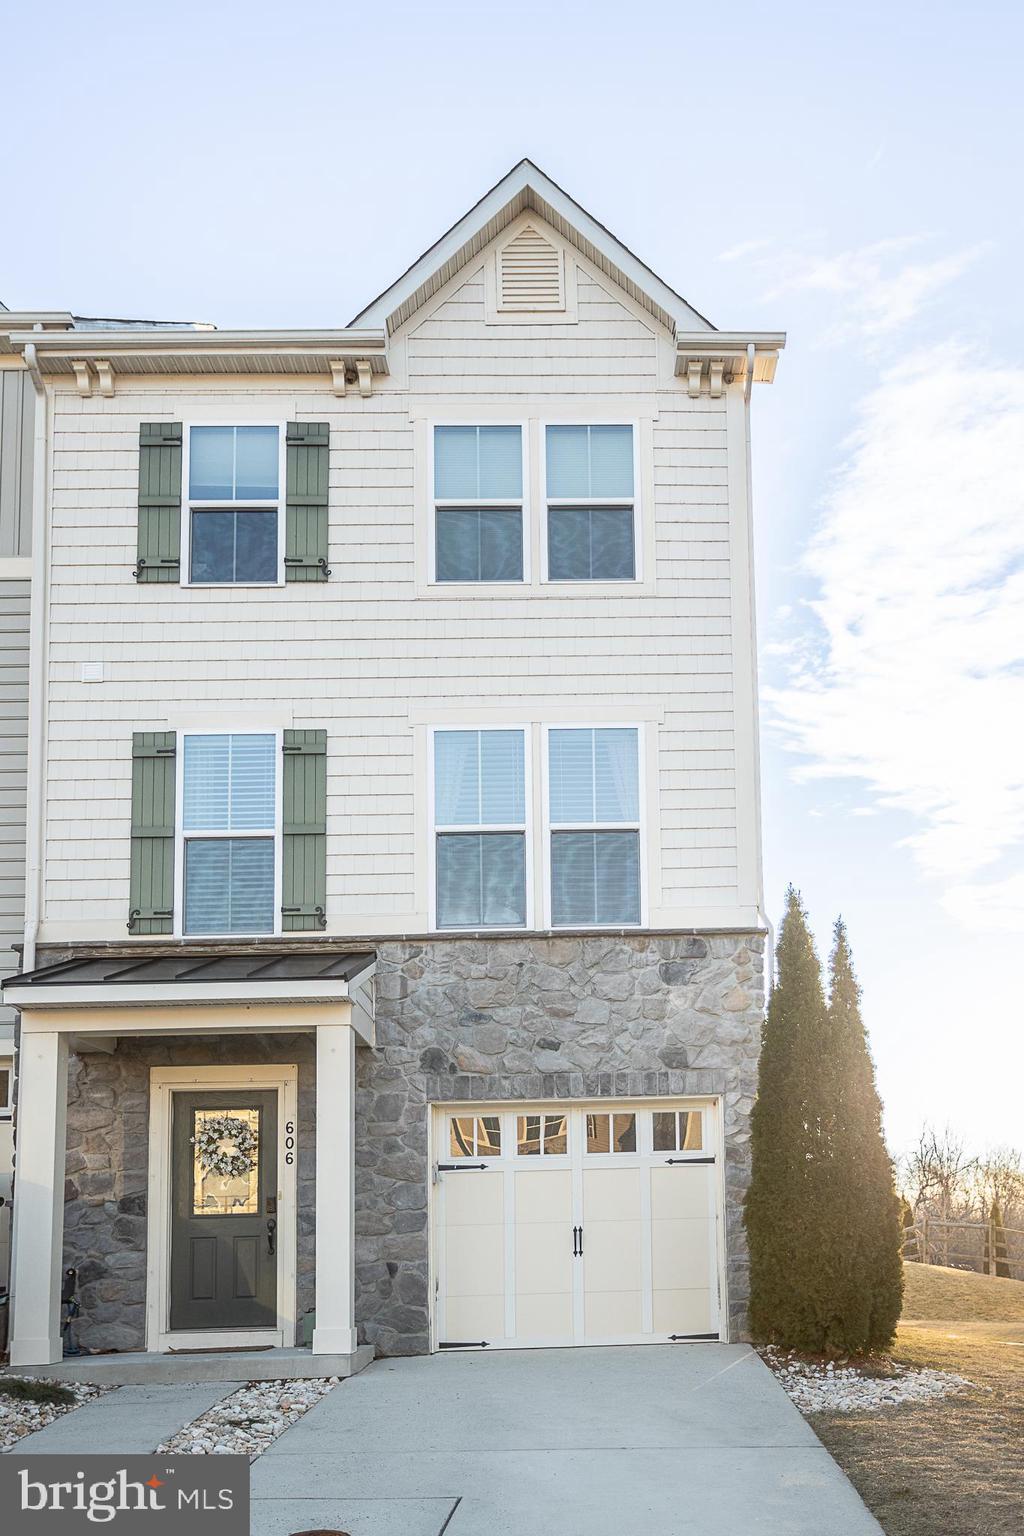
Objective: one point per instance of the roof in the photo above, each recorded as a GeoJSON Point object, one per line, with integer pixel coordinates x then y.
{"type": "Point", "coordinates": [527, 187]}
{"type": "Point", "coordinates": [121, 970]}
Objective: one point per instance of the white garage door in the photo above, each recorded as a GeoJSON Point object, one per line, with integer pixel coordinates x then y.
{"type": "Point", "coordinates": [595, 1224]}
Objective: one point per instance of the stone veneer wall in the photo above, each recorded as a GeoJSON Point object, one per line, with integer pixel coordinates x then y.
{"type": "Point", "coordinates": [457, 1019]}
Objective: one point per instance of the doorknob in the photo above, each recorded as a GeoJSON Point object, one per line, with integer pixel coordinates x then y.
{"type": "Point", "coordinates": [271, 1229]}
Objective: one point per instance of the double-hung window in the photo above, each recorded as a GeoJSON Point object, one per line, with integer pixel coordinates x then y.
{"type": "Point", "coordinates": [594, 816]}
{"type": "Point", "coordinates": [478, 503]}
{"type": "Point", "coordinates": [591, 503]}
{"type": "Point", "coordinates": [234, 515]}
{"type": "Point", "coordinates": [229, 833]}
{"type": "Point", "coordinates": [480, 823]}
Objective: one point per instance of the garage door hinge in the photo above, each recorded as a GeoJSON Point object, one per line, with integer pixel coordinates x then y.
{"type": "Point", "coordinates": [683, 1338]}
{"type": "Point", "coordinates": [467, 1344]}
{"type": "Point", "coordinates": [689, 1159]}
{"type": "Point", "coordinates": [458, 1167]}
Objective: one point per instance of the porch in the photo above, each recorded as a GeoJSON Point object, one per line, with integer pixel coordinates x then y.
{"type": "Point", "coordinates": [219, 1251]}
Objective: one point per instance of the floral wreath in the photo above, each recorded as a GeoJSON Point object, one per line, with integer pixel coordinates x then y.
{"type": "Point", "coordinates": [229, 1162]}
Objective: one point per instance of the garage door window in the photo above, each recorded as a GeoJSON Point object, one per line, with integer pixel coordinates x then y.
{"type": "Point", "coordinates": [475, 1136]}
{"type": "Point", "coordinates": [542, 1135]}
{"type": "Point", "coordinates": [678, 1131]}
{"type": "Point", "coordinates": [611, 1133]}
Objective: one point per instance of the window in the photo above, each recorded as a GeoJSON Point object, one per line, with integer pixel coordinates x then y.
{"type": "Point", "coordinates": [478, 504]}
{"type": "Point", "coordinates": [678, 1130]}
{"type": "Point", "coordinates": [5, 1089]}
{"type": "Point", "coordinates": [229, 831]}
{"type": "Point", "coordinates": [233, 511]}
{"type": "Point", "coordinates": [474, 1136]}
{"type": "Point", "coordinates": [480, 783]}
{"type": "Point", "coordinates": [594, 812]}
{"type": "Point", "coordinates": [611, 1133]}
{"type": "Point", "coordinates": [542, 1135]}
{"type": "Point", "coordinates": [591, 503]}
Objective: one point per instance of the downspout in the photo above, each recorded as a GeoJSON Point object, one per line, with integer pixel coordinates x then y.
{"type": "Point", "coordinates": [38, 605]}
{"type": "Point", "coordinates": [748, 386]}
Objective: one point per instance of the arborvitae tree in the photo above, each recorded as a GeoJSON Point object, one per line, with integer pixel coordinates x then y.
{"type": "Point", "coordinates": [822, 1218]}
{"type": "Point", "coordinates": [868, 1255]}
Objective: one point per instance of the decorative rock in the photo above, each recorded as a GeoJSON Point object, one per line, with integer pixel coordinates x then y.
{"type": "Point", "coordinates": [816, 1387]}
{"type": "Point", "coordinates": [20, 1417]}
{"type": "Point", "coordinates": [250, 1420]}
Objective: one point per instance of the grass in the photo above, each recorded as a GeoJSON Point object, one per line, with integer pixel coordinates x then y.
{"type": "Point", "coordinates": [36, 1391]}
{"type": "Point", "coordinates": [953, 1466]}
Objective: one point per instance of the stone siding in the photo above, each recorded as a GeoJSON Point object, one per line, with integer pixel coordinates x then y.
{"type": "Point", "coordinates": [457, 1019]}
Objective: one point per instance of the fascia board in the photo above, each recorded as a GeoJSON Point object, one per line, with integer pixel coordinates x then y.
{"type": "Point", "coordinates": [99, 995]}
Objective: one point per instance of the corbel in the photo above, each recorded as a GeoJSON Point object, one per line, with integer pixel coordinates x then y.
{"type": "Point", "coordinates": [716, 373]}
{"type": "Point", "coordinates": [338, 375]}
{"type": "Point", "coordinates": [365, 378]}
{"type": "Point", "coordinates": [83, 378]}
{"type": "Point", "coordinates": [105, 374]}
{"type": "Point", "coordinates": [693, 367]}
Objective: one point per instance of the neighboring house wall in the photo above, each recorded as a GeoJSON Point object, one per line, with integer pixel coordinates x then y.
{"type": "Point", "coordinates": [17, 415]}
{"type": "Point", "coordinates": [375, 655]}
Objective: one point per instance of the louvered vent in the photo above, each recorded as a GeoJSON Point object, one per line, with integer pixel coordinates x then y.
{"type": "Point", "coordinates": [530, 273]}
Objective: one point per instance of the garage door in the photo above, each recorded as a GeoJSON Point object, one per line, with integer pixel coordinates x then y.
{"type": "Point", "coordinates": [595, 1224]}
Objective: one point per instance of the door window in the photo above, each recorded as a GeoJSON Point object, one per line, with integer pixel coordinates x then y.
{"type": "Point", "coordinates": [678, 1130]}
{"type": "Point", "coordinates": [542, 1135]}
{"type": "Point", "coordinates": [225, 1139]}
{"type": "Point", "coordinates": [611, 1133]}
{"type": "Point", "coordinates": [474, 1136]}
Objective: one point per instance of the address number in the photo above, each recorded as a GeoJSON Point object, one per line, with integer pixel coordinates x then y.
{"type": "Point", "coordinates": [289, 1141]}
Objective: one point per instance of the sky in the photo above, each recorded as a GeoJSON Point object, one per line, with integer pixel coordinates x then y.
{"type": "Point", "coordinates": [849, 174]}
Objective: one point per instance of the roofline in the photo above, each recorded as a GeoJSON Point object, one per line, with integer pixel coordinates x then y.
{"type": "Point", "coordinates": [525, 175]}
{"type": "Point", "coordinates": [83, 343]}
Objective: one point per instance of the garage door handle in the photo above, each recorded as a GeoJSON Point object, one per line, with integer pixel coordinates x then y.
{"type": "Point", "coordinates": [577, 1242]}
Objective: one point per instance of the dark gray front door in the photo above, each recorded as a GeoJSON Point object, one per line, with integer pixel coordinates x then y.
{"type": "Point", "coordinates": [223, 1227]}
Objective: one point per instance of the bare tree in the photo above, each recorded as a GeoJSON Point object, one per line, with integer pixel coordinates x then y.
{"type": "Point", "coordinates": [937, 1177]}
{"type": "Point", "coordinates": [999, 1179]}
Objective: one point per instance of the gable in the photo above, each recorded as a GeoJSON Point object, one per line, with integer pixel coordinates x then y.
{"type": "Point", "coordinates": [527, 190]}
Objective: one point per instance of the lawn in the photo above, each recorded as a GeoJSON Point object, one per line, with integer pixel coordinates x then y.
{"type": "Point", "coordinates": [954, 1466]}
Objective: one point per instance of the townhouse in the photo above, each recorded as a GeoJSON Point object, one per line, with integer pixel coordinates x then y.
{"type": "Point", "coordinates": [394, 944]}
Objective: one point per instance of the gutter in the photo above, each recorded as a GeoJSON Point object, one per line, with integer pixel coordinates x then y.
{"type": "Point", "coordinates": [38, 613]}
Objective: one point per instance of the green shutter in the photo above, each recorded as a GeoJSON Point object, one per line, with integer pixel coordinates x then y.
{"type": "Point", "coordinates": [159, 501]}
{"type": "Point", "coordinates": [304, 884]}
{"type": "Point", "coordinates": [151, 887]}
{"type": "Point", "coordinates": [306, 517]}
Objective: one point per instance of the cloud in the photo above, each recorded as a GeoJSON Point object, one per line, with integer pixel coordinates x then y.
{"type": "Point", "coordinates": [911, 676]}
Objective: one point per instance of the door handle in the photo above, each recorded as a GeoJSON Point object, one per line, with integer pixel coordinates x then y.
{"type": "Point", "coordinates": [271, 1229]}
{"type": "Point", "coordinates": [577, 1242]}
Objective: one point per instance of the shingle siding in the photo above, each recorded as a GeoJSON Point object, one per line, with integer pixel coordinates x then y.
{"type": "Point", "coordinates": [357, 654]}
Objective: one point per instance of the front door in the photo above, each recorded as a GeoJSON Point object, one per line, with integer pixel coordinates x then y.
{"type": "Point", "coordinates": [224, 1211]}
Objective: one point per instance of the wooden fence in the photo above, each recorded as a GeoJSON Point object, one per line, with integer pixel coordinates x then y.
{"type": "Point", "coordinates": [984, 1246]}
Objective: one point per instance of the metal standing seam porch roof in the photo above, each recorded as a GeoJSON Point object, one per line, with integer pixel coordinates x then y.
{"type": "Point", "coordinates": [274, 976]}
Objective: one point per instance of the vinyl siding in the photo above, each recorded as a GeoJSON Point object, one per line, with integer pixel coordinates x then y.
{"type": "Point", "coordinates": [14, 606]}
{"type": "Point", "coordinates": [361, 654]}
{"type": "Point", "coordinates": [17, 415]}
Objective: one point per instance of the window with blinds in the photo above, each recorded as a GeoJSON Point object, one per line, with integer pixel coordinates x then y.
{"type": "Point", "coordinates": [229, 833]}
{"type": "Point", "coordinates": [480, 829]}
{"type": "Point", "coordinates": [478, 503]}
{"type": "Point", "coordinates": [591, 503]}
{"type": "Point", "coordinates": [594, 815]}
{"type": "Point", "coordinates": [233, 506]}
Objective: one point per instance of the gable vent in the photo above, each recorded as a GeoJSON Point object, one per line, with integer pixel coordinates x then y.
{"type": "Point", "coordinates": [530, 273]}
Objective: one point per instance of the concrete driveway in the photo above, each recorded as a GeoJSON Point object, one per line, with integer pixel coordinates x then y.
{"type": "Point", "coordinates": [672, 1440]}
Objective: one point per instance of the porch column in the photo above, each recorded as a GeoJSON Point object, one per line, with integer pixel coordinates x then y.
{"type": "Point", "coordinates": [335, 1331]}
{"type": "Point", "coordinates": [39, 1198]}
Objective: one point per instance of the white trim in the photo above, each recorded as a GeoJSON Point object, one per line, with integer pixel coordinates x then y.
{"type": "Point", "coordinates": [646, 824]}
{"type": "Point", "coordinates": [163, 1083]}
{"type": "Point", "coordinates": [749, 842]}
{"type": "Point", "coordinates": [526, 828]}
{"type": "Point", "coordinates": [15, 567]}
{"type": "Point", "coordinates": [35, 995]}
{"type": "Point", "coordinates": [231, 505]}
{"type": "Point", "coordinates": [181, 837]}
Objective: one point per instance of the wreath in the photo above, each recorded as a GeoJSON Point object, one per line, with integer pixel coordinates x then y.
{"type": "Point", "coordinates": [226, 1146]}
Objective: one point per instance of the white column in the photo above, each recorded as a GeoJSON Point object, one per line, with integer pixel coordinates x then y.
{"type": "Point", "coordinates": [335, 1331]}
{"type": "Point", "coordinates": [39, 1198]}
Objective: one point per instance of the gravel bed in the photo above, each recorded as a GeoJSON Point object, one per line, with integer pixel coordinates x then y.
{"type": "Point", "coordinates": [19, 1418]}
{"type": "Point", "coordinates": [250, 1419]}
{"type": "Point", "coordinates": [817, 1387]}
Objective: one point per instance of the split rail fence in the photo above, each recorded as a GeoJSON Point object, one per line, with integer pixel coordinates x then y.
{"type": "Point", "coordinates": [984, 1246]}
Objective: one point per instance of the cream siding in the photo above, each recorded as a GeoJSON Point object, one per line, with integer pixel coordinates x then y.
{"type": "Point", "coordinates": [370, 655]}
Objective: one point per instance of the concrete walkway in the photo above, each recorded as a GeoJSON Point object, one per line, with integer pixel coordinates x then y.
{"type": "Point", "coordinates": [128, 1422]}
{"type": "Point", "coordinates": [676, 1439]}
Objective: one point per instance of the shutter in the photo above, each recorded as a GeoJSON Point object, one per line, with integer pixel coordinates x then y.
{"type": "Point", "coordinates": [159, 557]}
{"type": "Point", "coordinates": [306, 516]}
{"type": "Point", "coordinates": [151, 885]}
{"type": "Point", "coordinates": [304, 881]}
{"type": "Point", "coordinates": [530, 273]}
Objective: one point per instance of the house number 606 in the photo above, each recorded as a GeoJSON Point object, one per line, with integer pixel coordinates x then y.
{"type": "Point", "coordinates": [289, 1141]}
